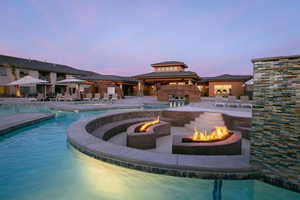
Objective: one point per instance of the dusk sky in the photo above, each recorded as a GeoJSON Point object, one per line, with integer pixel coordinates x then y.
{"type": "Point", "coordinates": [125, 37]}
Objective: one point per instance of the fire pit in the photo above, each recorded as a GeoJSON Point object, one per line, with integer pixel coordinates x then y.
{"type": "Point", "coordinates": [218, 134]}
{"type": "Point", "coordinates": [145, 126]}
{"type": "Point", "coordinates": [219, 141]}
{"type": "Point", "coordinates": [143, 135]}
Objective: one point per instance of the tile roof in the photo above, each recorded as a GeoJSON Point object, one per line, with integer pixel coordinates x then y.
{"type": "Point", "coordinates": [226, 77]}
{"type": "Point", "coordinates": [167, 63]}
{"type": "Point", "coordinates": [40, 66]}
{"type": "Point", "coordinates": [96, 77]}
{"type": "Point", "coordinates": [52, 67]}
{"type": "Point", "coordinates": [168, 74]}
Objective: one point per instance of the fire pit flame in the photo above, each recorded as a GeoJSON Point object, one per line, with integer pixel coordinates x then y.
{"type": "Point", "coordinates": [145, 126]}
{"type": "Point", "coordinates": [219, 133]}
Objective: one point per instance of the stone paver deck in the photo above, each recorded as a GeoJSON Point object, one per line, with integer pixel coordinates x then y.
{"type": "Point", "coordinates": [127, 103]}
{"type": "Point", "coordinates": [209, 107]}
{"type": "Point", "coordinates": [164, 145]}
{"type": "Point", "coordinates": [15, 121]}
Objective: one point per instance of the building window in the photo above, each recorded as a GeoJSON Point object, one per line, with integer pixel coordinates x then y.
{"type": "Point", "coordinates": [223, 89]}
{"type": "Point", "coordinates": [3, 71]}
{"type": "Point", "coordinates": [2, 90]}
{"type": "Point", "coordinates": [172, 83]}
{"type": "Point", "coordinates": [23, 74]}
{"type": "Point", "coordinates": [44, 76]}
{"type": "Point", "coordinates": [200, 87]}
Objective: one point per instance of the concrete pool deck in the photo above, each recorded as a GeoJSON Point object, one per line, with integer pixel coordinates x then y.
{"type": "Point", "coordinates": [130, 102]}
{"type": "Point", "coordinates": [14, 121]}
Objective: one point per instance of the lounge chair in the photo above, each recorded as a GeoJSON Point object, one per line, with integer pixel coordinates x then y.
{"type": "Point", "coordinates": [97, 97]}
{"type": "Point", "coordinates": [219, 101]}
{"type": "Point", "coordinates": [114, 98]}
{"type": "Point", "coordinates": [105, 98]}
{"type": "Point", "coordinates": [245, 102]}
{"type": "Point", "coordinates": [232, 101]}
{"type": "Point", "coordinates": [88, 97]}
{"type": "Point", "coordinates": [59, 97]}
{"type": "Point", "coordinates": [40, 97]}
{"type": "Point", "coordinates": [72, 97]}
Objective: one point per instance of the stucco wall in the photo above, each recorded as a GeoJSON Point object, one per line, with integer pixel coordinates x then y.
{"type": "Point", "coordinates": [237, 87]}
{"type": "Point", "coordinates": [190, 91]}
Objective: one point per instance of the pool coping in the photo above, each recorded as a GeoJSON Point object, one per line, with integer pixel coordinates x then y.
{"type": "Point", "coordinates": [161, 163]}
{"type": "Point", "coordinates": [24, 119]}
{"type": "Point", "coordinates": [83, 108]}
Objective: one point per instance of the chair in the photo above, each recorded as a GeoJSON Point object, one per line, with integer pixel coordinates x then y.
{"type": "Point", "coordinates": [72, 97]}
{"type": "Point", "coordinates": [219, 101]}
{"type": "Point", "coordinates": [40, 97]}
{"type": "Point", "coordinates": [105, 98]}
{"type": "Point", "coordinates": [114, 98]}
{"type": "Point", "coordinates": [232, 101]}
{"type": "Point", "coordinates": [97, 97]}
{"type": "Point", "coordinates": [59, 97]}
{"type": "Point", "coordinates": [245, 102]}
{"type": "Point", "coordinates": [88, 97]}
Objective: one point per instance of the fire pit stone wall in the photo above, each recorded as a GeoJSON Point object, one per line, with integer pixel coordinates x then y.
{"type": "Point", "coordinates": [229, 146]}
{"type": "Point", "coordinates": [147, 139]}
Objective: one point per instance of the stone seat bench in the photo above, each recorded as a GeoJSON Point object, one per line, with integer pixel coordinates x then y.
{"type": "Point", "coordinates": [147, 139]}
{"type": "Point", "coordinates": [109, 130]}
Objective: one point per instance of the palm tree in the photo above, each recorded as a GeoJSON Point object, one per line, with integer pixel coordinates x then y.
{"type": "Point", "coordinates": [13, 71]}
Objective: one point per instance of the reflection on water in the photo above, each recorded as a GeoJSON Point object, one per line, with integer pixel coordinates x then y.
{"type": "Point", "coordinates": [217, 192]}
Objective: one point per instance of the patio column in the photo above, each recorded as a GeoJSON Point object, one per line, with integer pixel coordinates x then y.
{"type": "Point", "coordinates": [53, 80]}
{"type": "Point", "coordinates": [122, 92]}
{"type": "Point", "coordinates": [141, 88]}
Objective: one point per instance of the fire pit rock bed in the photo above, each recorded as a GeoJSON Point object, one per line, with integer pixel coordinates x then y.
{"type": "Point", "coordinates": [147, 139]}
{"type": "Point", "coordinates": [90, 136]}
{"type": "Point", "coordinates": [229, 146]}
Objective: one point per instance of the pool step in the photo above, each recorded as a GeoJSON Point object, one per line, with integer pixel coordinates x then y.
{"type": "Point", "coordinates": [206, 121]}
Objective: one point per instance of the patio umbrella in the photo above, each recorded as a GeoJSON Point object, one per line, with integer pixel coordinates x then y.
{"type": "Point", "coordinates": [250, 82]}
{"type": "Point", "coordinates": [28, 80]}
{"type": "Point", "coordinates": [72, 81]}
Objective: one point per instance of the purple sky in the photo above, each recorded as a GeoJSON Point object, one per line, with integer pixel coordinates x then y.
{"type": "Point", "coordinates": [125, 37]}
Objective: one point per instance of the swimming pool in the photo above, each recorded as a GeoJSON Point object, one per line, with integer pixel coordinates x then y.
{"type": "Point", "coordinates": [17, 108]}
{"type": "Point", "coordinates": [37, 163]}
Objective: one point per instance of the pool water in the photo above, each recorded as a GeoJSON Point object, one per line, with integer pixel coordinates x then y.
{"type": "Point", "coordinates": [18, 108]}
{"type": "Point", "coordinates": [37, 163]}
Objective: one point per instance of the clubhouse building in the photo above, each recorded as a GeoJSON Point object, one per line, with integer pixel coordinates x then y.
{"type": "Point", "coordinates": [168, 79]}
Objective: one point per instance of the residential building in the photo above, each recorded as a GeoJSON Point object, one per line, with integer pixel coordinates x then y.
{"type": "Point", "coordinates": [168, 79]}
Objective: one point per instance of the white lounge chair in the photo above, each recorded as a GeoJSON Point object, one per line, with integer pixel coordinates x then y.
{"type": "Point", "coordinates": [40, 97]}
{"type": "Point", "coordinates": [219, 101]}
{"type": "Point", "coordinates": [105, 98]}
{"type": "Point", "coordinates": [88, 97]}
{"type": "Point", "coordinates": [58, 97]}
{"type": "Point", "coordinates": [72, 97]}
{"type": "Point", "coordinates": [114, 98]}
{"type": "Point", "coordinates": [245, 102]}
{"type": "Point", "coordinates": [97, 97]}
{"type": "Point", "coordinates": [232, 101]}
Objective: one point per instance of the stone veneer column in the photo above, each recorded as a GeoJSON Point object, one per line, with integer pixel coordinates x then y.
{"type": "Point", "coordinates": [53, 80]}
{"type": "Point", "coordinates": [275, 136]}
